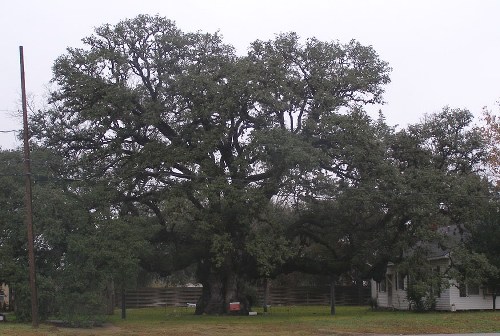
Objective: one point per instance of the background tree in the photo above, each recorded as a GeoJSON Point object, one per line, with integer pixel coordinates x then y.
{"type": "Point", "coordinates": [491, 134]}
{"type": "Point", "coordinates": [80, 246]}
{"type": "Point", "coordinates": [484, 241]}
{"type": "Point", "coordinates": [176, 121]}
{"type": "Point", "coordinates": [13, 243]}
{"type": "Point", "coordinates": [442, 160]}
{"type": "Point", "coordinates": [394, 192]}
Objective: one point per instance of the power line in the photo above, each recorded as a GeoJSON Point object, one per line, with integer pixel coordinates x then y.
{"type": "Point", "coordinates": [10, 131]}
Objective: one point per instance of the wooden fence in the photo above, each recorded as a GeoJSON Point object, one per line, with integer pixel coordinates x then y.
{"type": "Point", "coordinates": [278, 296]}
{"type": "Point", "coordinates": [154, 297]}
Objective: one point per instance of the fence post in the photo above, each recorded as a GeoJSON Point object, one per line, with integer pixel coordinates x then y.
{"type": "Point", "coordinates": [266, 294]}
{"type": "Point", "coordinates": [332, 295]}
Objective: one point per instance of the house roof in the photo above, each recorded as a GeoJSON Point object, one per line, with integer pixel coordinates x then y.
{"type": "Point", "coordinates": [448, 237]}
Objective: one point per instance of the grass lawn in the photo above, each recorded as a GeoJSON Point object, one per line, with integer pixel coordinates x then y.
{"type": "Point", "coordinates": [279, 321]}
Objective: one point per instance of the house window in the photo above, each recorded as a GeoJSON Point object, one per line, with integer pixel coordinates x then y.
{"type": "Point", "coordinates": [463, 290]}
{"type": "Point", "coordinates": [382, 286]}
{"type": "Point", "coordinates": [400, 282]}
{"type": "Point", "coordinates": [468, 290]}
{"type": "Point", "coordinates": [472, 290]}
{"type": "Point", "coordinates": [489, 290]}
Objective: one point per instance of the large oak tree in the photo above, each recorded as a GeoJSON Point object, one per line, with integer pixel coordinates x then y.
{"type": "Point", "coordinates": [183, 130]}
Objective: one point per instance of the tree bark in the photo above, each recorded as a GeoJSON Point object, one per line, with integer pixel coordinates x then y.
{"type": "Point", "coordinates": [219, 290]}
{"type": "Point", "coordinates": [212, 297]}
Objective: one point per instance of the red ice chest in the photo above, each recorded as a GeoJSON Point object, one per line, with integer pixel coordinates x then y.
{"type": "Point", "coordinates": [234, 306]}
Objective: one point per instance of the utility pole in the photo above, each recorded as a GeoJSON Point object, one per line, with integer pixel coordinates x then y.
{"type": "Point", "coordinates": [28, 200]}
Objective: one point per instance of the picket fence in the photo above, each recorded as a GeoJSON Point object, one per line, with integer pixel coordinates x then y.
{"type": "Point", "coordinates": [278, 296]}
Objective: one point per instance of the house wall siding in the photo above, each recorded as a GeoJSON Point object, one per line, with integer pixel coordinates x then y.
{"type": "Point", "coordinates": [399, 300]}
{"type": "Point", "coordinates": [443, 302]}
{"type": "Point", "coordinates": [381, 297]}
{"type": "Point", "coordinates": [471, 302]}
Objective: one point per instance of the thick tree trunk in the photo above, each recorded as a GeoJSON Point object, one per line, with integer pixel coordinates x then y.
{"type": "Point", "coordinates": [212, 297]}
{"type": "Point", "coordinates": [219, 290]}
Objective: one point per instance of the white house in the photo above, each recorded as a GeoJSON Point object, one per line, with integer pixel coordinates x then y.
{"type": "Point", "coordinates": [391, 291]}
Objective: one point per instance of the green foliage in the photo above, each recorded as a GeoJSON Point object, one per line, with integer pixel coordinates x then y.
{"type": "Point", "coordinates": [442, 157]}
{"type": "Point", "coordinates": [425, 279]}
{"type": "Point", "coordinates": [472, 268]}
{"type": "Point", "coordinates": [477, 261]}
{"type": "Point", "coordinates": [165, 118]}
{"type": "Point", "coordinates": [268, 243]}
{"type": "Point", "coordinates": [79, 248]}
{"type": "Point", "coordinates": [177, 139]}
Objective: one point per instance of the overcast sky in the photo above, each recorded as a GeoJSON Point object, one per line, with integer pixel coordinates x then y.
{"type": "Point", "coordinates": [442, 52]}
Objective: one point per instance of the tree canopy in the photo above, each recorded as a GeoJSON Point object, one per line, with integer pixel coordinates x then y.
{"type": "Point", "coordinates": [248, 166]}
{"type": "Point", "coordinates": [183, 130]}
